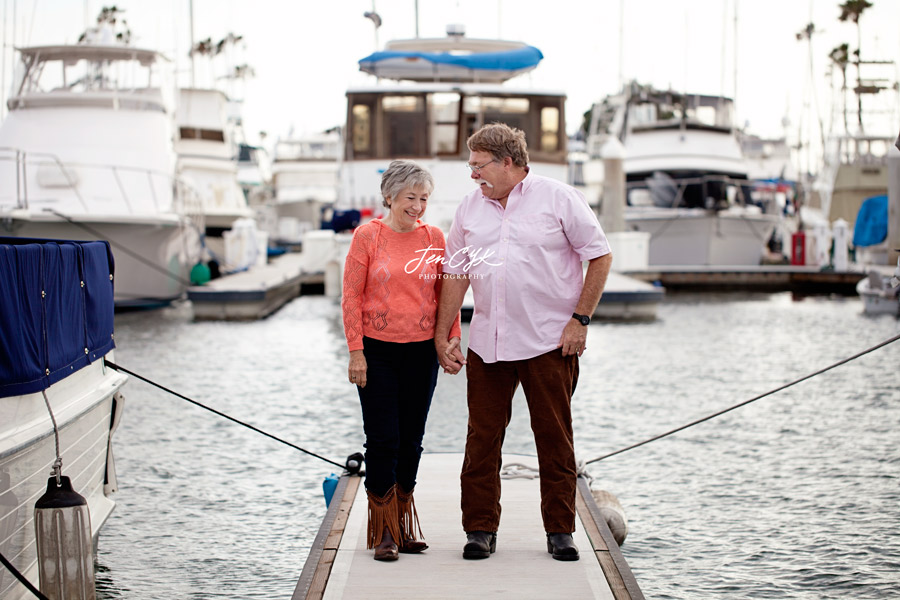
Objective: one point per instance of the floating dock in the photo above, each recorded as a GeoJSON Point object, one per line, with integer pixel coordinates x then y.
{"type": "Point", "coordinates": [339, 566]}
{"type": "Point", "coordinates": [764, 278]}
{"type": "Point", "coordinates": [629, 299]}
{"type": "Point", "coordinates": [624, 298]}
{"type": "Point", "coordinates": [255, 293]}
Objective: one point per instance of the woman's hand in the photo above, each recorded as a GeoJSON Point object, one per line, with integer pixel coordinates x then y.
{"type": "Point", "coordinates": [357, 369]}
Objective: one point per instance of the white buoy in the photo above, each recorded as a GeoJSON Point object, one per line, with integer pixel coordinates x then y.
{"type": "Point", "coordinates": [612, 513]}
{"type": "Point", "coordinates": [62, 528]}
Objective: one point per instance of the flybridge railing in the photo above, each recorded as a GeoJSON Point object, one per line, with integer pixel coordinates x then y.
{"type": "Point", "coordinates": [26, 178]}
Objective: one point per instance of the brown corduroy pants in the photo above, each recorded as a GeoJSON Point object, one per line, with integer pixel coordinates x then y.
{"type": "Point", "coordinates": [548, 381]}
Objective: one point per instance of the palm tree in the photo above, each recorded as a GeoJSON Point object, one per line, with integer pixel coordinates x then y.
{"type": "Point", "coordinates": [851, 10]}
{"type": "Point", "coordinates": [840, 56]}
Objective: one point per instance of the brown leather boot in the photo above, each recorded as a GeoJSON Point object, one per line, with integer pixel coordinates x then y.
{"type": "Point", "coordinates": [409, 523]}
{"type": "Point", "coordinates": [383, 528]}
{"type": "Point", "coordinates": [387, 549]}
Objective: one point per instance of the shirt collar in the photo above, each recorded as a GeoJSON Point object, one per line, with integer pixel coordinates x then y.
{"type": "Point", "coordinates": [523, 185]}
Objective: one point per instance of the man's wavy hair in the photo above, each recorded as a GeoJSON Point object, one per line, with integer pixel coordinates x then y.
{"type": "Point", "coordinates": [500, 140]}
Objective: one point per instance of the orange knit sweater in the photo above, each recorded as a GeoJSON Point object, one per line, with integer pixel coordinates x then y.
{"type": "Point", "coordinates": [392, 284]}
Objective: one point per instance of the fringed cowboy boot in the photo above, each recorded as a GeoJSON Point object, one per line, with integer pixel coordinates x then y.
{"type": "Point", "coordinates": [409, 524]}
{"type": "Point", "coordinates": [384, 528]}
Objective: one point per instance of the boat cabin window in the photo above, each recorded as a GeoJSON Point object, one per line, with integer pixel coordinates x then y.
{"type": "Point", "coordinates": [444, 119]}
{"type": "Point", "coordinates": [646, 114]}
{"type": "Point", "coordinates": [437, 124]}
{"type": "Point", "coordinates": [483, 110]}
{"type": "Point", "coordinates": [710, 111]}
{"type": "Point", "coordinates": [549, 129]}
{"type": "Point", "coordinates": [361, 129]}
{"type": "Point", "coordinates": [194, 133]}
{"type": "Point", "coordinates": [405, 125]}
{"type": "Point", "coordinates": [674, 110]}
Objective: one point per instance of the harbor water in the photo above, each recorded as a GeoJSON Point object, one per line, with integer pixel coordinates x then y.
{"type": "Point", "coordinates": [796, 495]}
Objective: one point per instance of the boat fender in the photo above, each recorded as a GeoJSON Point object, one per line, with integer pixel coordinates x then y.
{"type": "Point", "coordinates": [62, 528]}
{"type": "Point", "coordinates": [328, 487]}
{"type": "Point", "coordinates": [612, 512]}
{"type": "Point", "coordinates": [200, 274]}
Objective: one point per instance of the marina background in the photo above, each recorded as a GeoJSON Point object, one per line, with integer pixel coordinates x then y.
{"type": "Point", "coordinates": [794, 496]}
{"type": "Point", "coordinates": [305, 54]}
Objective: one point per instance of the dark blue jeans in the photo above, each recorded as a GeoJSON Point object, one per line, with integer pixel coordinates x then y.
{"type": "Point", "coordinates": [400, 382]}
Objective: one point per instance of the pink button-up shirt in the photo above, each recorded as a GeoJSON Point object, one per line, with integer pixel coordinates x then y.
{"type": "Point", "coordinates": [525, 264]}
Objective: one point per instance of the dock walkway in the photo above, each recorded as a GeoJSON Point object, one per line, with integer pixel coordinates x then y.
{"type": "Point", "coordinates": [339, 566]}
{"type": "Point", "coordinates": [762, 278]}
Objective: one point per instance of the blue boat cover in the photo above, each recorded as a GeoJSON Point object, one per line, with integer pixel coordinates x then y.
{"type": "Point", "coordinates": [56, 310]}
{"type": "Point", "coordinates": [507, 60]}
{"type": "Point", "coordinates": [871, 225]}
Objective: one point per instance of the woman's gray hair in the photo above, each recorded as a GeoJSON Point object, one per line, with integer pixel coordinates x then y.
{"type": "Point", "coordinates": [401, 175]}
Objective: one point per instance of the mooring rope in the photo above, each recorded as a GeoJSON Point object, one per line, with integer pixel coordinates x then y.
{"type": "Point", "coordinates": [22, 579]}
{"type": "Point", "coordinates": [754, 399]}
{"type": "Point", "coordinates": [119, 246]}
{"type": "Point", "coordinates": [221, 414]}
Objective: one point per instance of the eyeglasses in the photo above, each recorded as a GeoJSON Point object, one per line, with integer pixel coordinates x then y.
{"type": "Point", "coordinates": [478, 168]}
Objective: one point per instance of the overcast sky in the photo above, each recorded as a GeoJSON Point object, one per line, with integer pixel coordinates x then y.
{"type": "Point", "coordinates": [304, 53]}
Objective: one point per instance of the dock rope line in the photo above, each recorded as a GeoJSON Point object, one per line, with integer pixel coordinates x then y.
{"type": "Point", "coordinates": [22, 579]}
{"type": "Point", "coordinates": [113, 365]}
{"type": "Point", "coordinates": [119, 246]}
{"type": "Point", "coordinates": [754, 399]}
{"type": "Point", "coordinates": [57, 464]}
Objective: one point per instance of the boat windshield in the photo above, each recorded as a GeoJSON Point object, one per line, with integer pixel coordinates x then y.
{"type": "Point", "coordinates": [437, 124]}
{"type": "Point", "coordinates": [69, 71]}
{"type": "Point", "coordinates": [675, 109]}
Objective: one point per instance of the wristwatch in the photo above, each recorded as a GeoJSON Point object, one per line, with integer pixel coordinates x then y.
{"type": "Point", "coordinates": [583, 319]}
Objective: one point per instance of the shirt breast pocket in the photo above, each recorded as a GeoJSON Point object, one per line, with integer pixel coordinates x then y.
{"type": "Point", "coordinates": [537, 230]}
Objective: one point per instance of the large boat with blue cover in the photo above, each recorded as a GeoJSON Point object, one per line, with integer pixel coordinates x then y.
{"type": "Point", "coordinates": [58, 398]}
{"type": "Point", "coordinates": [428, 96]}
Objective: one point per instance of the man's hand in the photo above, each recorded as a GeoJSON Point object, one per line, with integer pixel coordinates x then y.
{"type": "Point", "coordinates": [574, 338]}
{"type": "Point", "coordinates": [450, 355]}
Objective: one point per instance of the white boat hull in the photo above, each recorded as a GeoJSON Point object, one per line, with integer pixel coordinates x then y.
{"type": "Point", "coordinates": [83, 405]}
{"type": "Point", "coordinates": [878, 301]}
{"type": "Point", "coordinates": [153, 254]}
{"type": "Point", "coordinates": [692, 237]}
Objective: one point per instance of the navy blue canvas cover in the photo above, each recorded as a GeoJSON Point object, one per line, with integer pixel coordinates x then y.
{"type": "Point", "coordinates": [56, 310]}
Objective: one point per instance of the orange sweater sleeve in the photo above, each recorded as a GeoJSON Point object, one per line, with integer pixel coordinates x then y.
{"type": "Point", "coordinates": [455, 329]}
{"type": "Point", "coordinates": [356, 267]}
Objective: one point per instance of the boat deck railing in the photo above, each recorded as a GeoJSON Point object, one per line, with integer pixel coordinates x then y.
{"type": "Point", "coordinates": [137, 190]}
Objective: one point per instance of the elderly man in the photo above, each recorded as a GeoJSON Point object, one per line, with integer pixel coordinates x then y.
{"type": "Point", "coordinates": [525, 238]}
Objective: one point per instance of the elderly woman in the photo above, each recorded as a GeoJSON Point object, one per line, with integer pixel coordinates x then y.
{"type": "Point", "coordinates": [392, 280]}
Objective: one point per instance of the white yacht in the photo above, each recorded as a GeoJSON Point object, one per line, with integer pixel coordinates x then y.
{"type": "Point", "coordinates": [429, 96]}
{"type": "Point", "coordinates": [304, 180]}
{"type": "Point", "coordinates": [686, 176]}
{"type": "Point", "coordinates": [862, 132]}
{"type": "Point", "coordinates": [54, 381]}
{"type": "Point", "coordinates": [86, 152]}
{"type": "Point", "coordinates": [207, 163]}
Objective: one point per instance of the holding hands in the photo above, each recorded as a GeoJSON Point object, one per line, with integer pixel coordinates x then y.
{"type": "Point", "coordinates": [450, 355]}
